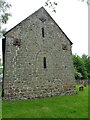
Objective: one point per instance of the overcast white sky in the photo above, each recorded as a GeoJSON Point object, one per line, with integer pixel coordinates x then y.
{"type": "Point", "coordinates": [71, 16]}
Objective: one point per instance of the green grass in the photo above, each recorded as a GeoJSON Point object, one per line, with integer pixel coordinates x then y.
{"type": "Point", "coordinates": [69, 106]}
{"type": "Point", "coordinates": [0, 110]}
{"type": "Point", "coordinates": [0, 106]}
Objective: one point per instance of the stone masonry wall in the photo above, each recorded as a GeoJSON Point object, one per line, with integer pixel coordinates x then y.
{"type": "Point", "coordinates": [25, 75]}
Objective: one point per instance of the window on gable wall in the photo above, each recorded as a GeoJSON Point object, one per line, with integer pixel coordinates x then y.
{"type": "Point", "coordinates": [16, 42]}
{"type": "Point", "coordinates": [44, 62]}
{"type": "Point", "coordinates": [42, 19]}
{"type": "Point", "coordinates": [43, 32]}
{"type": "Point", "coordinates": [64, 46]}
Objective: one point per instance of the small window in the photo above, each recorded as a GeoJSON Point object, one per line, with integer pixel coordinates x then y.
{"type": "Point", "coordinates": [64, 46]}
{"type": "Point", "coordinates": [16, 42]}
{"type": "Point", "coordinates": [43, 32]}
{"type": "Point", "coordinates": [44, 62]}
{"type": "Point", "coordinates": [43, 19]}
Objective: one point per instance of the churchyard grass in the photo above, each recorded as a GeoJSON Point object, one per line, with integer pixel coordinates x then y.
{"type": "Point", "coordinates": [0, 105]}
{"type": "Point", "coordinates": [69, 106]}
{"type": "Point", "coordinates": [0, 109]}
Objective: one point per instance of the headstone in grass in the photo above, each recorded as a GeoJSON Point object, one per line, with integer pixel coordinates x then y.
{"type": "Point", "coordinates": [81, 88]}
{"type": "Point", "coordinates": [85, 85]}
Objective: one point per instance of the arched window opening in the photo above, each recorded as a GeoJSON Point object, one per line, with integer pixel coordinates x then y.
{"type": "Point", "coordinates": [44, 62]}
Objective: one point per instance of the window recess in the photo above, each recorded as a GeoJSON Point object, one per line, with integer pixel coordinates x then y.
{"type": "Point", "coordinates": [43, 32]}
{"type": "Point", "coordinates": [44, 62]}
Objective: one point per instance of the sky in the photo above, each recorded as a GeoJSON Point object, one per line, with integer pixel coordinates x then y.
{"type": "Point", "coordinates": [71, 16]}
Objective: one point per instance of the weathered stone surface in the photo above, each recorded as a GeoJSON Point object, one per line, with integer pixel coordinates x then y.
{"type": "Point", "coordinates": [24, 74]}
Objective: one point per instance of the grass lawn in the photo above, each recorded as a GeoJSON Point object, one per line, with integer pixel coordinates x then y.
{"type": "Point", "coordinates": [0, 109]}
{"type": "Point", "coordinates": [69, 106]}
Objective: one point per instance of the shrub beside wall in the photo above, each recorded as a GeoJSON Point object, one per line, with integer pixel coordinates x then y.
{"type": "Point", "coordinates": [83, 82]}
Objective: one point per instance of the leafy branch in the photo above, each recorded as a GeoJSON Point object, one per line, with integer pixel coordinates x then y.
{"type": "Point", "coordinates": [51, 5]}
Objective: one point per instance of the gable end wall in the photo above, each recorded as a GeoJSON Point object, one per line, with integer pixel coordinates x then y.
{"type": "Point", "coordinates": [26, 77]}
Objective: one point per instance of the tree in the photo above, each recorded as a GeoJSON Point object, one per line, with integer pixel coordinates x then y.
{"type": "Point", "coordinates": [0, 67]}
{"type": "Point", "coordinates": [87, 1]}
{"type": "Point", "coordinates": [78, 75]}
{"type": "Point", "coordinates": [86, 60]}
{"type": "Point", "coordinates": [53, 5]}
{"type": "Point", "coordinates": [4, 15]}
{"type": "Point", "coordinates": [80, 67]}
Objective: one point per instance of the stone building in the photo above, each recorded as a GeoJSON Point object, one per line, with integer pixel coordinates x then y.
{"type": "Point", "coordinates": [37, 59]}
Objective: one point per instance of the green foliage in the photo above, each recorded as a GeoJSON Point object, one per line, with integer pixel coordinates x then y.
{"type": "Point", "coordinates": [4, 15]}
{"type": "Point", "coordinates": [0, 62]}
{"type": "Point", "coordinates": [0, 70]}
{"type": "Point", "coordinates": [0, 67]}
{"type": "Point", "coordinates": [51, 5]}
{"type": "Point", "coordinates": [3, 11]}
{"type": "Point", "coordinates": [78, 75]}
{"type": "Point", "coordinates": [86, 60]}
{"type": "Point", "coordinates": [69, 106]}
{"type": "Point", "coordinates": [81, 66]}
